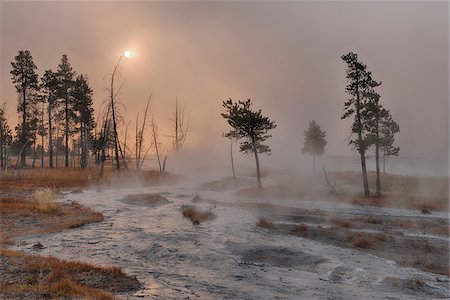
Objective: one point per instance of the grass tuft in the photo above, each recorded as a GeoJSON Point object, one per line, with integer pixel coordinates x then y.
{"type": "Point", "coordinates": [301, 230]}
{"type": "Point", "coordinates": [197, 216]}
{"type": "Point", "coordinates": [46, 200]}
{"type": "Point", "coordinates": [263, 223]}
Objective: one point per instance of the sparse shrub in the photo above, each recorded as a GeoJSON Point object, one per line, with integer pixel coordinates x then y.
{"type": "Point", "coordinates": [416, 281]}
{"type": "Point", "coordinates": [373, 220]}
{"type": "Point", "coordinates": [363, 243]}
{"type": "Point", "coordinates": [341, 223]}
{"type": "Point", "coordinates": [46, 200]}
{"type": "Point", "coordinates": [364, 240]}
{"type": "Point", "coordinates": [406, 225]}
{"type": "Point", "coordinates": [197, 216]}
{"type": "Point", "coordinates": [442, 230]}
{"type": "Point", "coordinates": [301, 230]}
{"type": "Point", "coordinates": [263, 223]}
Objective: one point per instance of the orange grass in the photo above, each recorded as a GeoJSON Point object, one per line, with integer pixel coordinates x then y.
{"type": "Point", "coordinates": [197, 216]}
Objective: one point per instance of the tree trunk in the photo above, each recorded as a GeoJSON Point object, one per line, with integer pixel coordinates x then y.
{"type": "Point", "coordinates": [83, 136]}
{"type": "Point", "coordinates": [42, 136]}
{"type": "Point", "coordinates": [34, 154]}
{"type": "Point", "coordinates": [258, 173]}
{"type": "Point", "coordinates": [1, 146]}
{"type": "Point", "coordinates": [42, 152]}
{"type": "Point", "coordinates": [67, 132]}
{"type": "Point", "coordinates": [314, 163]}
{"type": "Point", "coordinates": [377, 159]}
{"type": "Point", "coordinates": [50, 138]}
{"type": "Point", "coordinates": [113, 111]}
{"type": "Point", "coordinates": [384, 160]}
{"type": "Point", "coordinates": [360, 143]}
{"type": "Point", "coordinates": [232, 160]}
{"type": "Point", "coordinates": [23, 156]}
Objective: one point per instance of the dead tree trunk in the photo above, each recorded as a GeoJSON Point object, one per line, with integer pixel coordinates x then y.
{"type": "Point", "coordinates": [155, 141]}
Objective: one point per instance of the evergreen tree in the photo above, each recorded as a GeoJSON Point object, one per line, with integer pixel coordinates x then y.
{"type": "Point", "coordinates": [82, 95]}
{"type": "Point", "coordinates": [49, 84]}
{"type": "Point", "coordinates": [360, 87]}
{"type": "Point", "coordinates": [314, 142]}
{"type": "Point", "coordinates": [26, 82]}
{"type": "Point", "coordinates": [388, 128]}
{"type": "Point", "coordinates": [65, 76]}
{"type": "Point", "coordinates": [249, 125]}
{"type": "Point", "coordinates": [5, 137]}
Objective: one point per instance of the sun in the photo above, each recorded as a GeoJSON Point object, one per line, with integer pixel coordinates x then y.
{"type": "Point", "coordinates": [127, 53]}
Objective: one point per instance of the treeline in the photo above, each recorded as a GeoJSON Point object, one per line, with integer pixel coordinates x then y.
{"type": "Point", "coordinates": [372, 127]}
{"type": "Point", "coordinates": [57, 108]}
{"type": "Point", "coordinates": [56, 121]}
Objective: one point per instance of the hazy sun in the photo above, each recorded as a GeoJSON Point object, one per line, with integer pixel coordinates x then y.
{"type": "Point", "coordinates": [127, 53]}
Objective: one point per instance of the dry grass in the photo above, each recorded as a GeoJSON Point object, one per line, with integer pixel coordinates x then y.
{"type": "Point", "coordinates": [197, 216]}
{"type": "Point", "coordinates": [407, 225]}
{"type": "Point", "coordinates": [373, 220]}
{"type": "Point", "coordinates": [365, 240]}
{"type": "Point", "coordinates": [46, 200]}
{"type": "Point", "coordinates": [264, 223]}
{"type": "Point", "coordinates": [19, 216]}
{"type": "Point", "coordinates": [418, 193]}
{"type": "Point", "coordinates": [53, 278]}
{"type": "Point", "coordinates": [301, 230]}
{"type": "Point", "coordinates": [340, 223]}
{"type": "Point", "coordinates": [442, 230]}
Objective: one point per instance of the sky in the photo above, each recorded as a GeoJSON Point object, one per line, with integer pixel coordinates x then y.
{"type": "Point", "coordinates": [285, 56]}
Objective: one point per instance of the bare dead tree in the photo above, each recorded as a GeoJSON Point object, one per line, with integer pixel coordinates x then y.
{"type": "Point", "coordinates": [331, 187]}
{"type": "Point", "coordinates": [140, 137]}
{"type": "Point", "coordinates": [159, 152]}
{"type": "Point", "coordinates": [113, 100]}
{"type": "Point", "coordinates": [181, 126]}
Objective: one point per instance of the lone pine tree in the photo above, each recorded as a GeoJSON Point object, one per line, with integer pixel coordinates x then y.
{"type": "Point", "coordinates": [360, 88]}
{"type": "Point", "coordinates": [251, 127]}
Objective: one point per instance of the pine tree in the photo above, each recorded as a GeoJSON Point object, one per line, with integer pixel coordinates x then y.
{"type": "Point", "coordinates": [49, 87]}
{"type": "Point", "coordinates": [65, 76]}
{"type": "Point", "coordinates": [249, 125]}
{"type": "Point", "coordinates": [360, 88]}
{"type": "Point", "coordinates": [5, 137]}
{"type": "Point", "coordinates": [82, 95]}
{"type": "Point", "coordinates": [24, 76]}
{"type": "Point", "coordinates": [388, 128]}
{"type": "Point", "coordinates": [314, 142]}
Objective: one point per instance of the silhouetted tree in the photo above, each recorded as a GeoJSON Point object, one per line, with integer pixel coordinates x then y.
{"type": "Point", "coordinates": [360, 87]}
{"type": "Point", "coordinates": [381, 130]}
{"type": "Point", "coordinates": [82, 95]}
{"type": "Point", "coordinates": [181, 127]}
{"type": "Point", "coordinates": [49, 88]}
{"type": "Point", "coordinates": [388, 128]}
{"type": "Point", "coordinates": [26, 80]}
{"type": "Point", "coordinates": [65, 76]}
{"type": "Point", "coordinates": [249, 125]}
{"type": "Point", "coordinates": [314, 142]}
{"type": "Point", "coordinates": [5, 137]}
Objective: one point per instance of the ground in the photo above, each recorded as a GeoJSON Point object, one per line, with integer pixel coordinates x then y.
{"type": "Point", "coordinates": [31, 276]}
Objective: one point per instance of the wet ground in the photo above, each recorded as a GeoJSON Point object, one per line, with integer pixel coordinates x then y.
{"type": "Point", "coordinates": [230, 257]}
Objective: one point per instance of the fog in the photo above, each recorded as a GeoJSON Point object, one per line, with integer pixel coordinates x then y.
{"type": "Point", "coordinates": [284, 56]}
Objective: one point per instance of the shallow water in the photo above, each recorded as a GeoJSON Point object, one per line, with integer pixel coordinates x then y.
{"type": "Point", "coordinates": [226, 258]}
